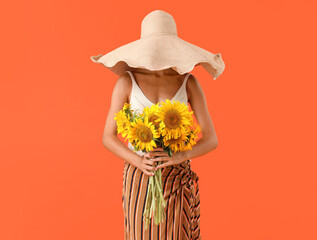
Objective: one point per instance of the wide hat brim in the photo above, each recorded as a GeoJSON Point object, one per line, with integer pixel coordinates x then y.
{"type": "Point", "coordinates": [161, 52]}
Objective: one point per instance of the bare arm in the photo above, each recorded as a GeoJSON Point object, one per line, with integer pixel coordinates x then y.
{"type": "Point", "coordinates": [110, 139]}
{"type": "Point", "coordinates": [198, 103]}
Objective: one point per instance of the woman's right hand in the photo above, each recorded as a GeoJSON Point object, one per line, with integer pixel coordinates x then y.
{"type": "Point", "coordinates": [146, 165]}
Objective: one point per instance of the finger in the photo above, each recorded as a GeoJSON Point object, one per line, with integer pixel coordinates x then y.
{"type": "Point", "coordinates": [149, 162]}
{"type": "Point", "coordinates": [160, 153]}
{"type": "Point", "coordinates": [163, 158]}
{"type": "Point", "coordinates": [148, 155]}
{"type": "Point", "coordinates": [158, 149]}
{"type": "Point", "coordinates": [162, 165]}
{"type": "Point", "coordinates": [147, 167]}
{"type": "Point", "coordinates": [148, 173]}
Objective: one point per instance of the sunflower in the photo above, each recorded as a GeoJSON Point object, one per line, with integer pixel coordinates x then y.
{"type": "Point", "coordinates": [127, 109]}
{"type": "Point", "coordinates": [174, 116]}
{"type": "Point", "coordinates": [142, 134]}
{"type": "Point", "coordinates": [126, 106]}
{"type": "Point", "coordinates": [175, 140]}
{"type": "Point", "coordinates": [191, 137]}
{"type": "Point", "coordinates": [151, 114]}
{"type": "Point", "coordinates": [123, 122]}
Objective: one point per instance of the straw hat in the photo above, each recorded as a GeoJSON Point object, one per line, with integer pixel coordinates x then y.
{"type": "Point", "coordinates": [160, 48]}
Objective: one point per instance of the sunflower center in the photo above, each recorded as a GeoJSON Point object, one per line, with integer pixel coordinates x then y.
{"type": "Point", "coordinates": [172, 119]}
{"type": "Point", "coordinates": [144, 134]}
{"type": "Point", "coordinates": [174, 140]}
{"type": "Point", "coordinates": [153, 118]}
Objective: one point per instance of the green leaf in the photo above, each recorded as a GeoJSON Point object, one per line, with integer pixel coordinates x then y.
{"type": "Point", "coordinates": [169, 152]}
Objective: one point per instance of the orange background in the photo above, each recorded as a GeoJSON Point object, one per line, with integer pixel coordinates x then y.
{"type": "Point", "coordinates": [59, 182]}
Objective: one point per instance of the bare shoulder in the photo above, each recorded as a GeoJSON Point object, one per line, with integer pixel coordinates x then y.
{"type": "Point", "coordinates": [123, 86]}
{"type": "Point", "coordinates": [193, 88]}
{"type": "Point", "coordinates": [124, 80]}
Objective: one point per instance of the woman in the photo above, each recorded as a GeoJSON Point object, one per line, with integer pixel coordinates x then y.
{"type": "Point", "coordinates": [141, 83]}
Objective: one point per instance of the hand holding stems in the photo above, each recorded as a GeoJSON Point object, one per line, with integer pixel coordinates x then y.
{"type": "Point", "coordinates": [155, 202]}
{"type": "Point", "coordinates": [150, 162]}
{"type": "Point", "coordinates": [176, 158]}
{"type": "Point", "coordinates": [146, 165]}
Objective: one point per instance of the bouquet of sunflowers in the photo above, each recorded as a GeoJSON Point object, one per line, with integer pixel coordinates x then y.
{"type": "Point", "coordinates": [169, 125]}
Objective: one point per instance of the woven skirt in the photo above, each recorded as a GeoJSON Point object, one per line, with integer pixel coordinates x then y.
{"type": "Point", "coordinates": [181, 193]}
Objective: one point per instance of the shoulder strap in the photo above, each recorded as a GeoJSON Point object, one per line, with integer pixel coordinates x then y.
{"type": "Point", "coordinates": [133, 86]}
{"type": "Point", "coordinates": [137, 91]}
{"type": "Point", "coordinates": [185, 80]}
{"type": "Point", "coordinates": [184, 92]}
{"type": "Point", "coordinates": [186, 77]}
{"type": "Point", "coordinates": [131, 76]}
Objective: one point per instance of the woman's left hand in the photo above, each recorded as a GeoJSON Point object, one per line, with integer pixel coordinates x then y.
{"type": "Point", "coordinates": [161, 155]}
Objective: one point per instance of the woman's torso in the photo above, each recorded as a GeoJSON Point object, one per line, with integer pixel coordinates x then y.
{"type": "Point", "coordinates": [139, 101]}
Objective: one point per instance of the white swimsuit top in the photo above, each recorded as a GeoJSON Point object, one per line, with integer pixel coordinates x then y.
{"type": "Point", "coordinates": [140, 101]}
